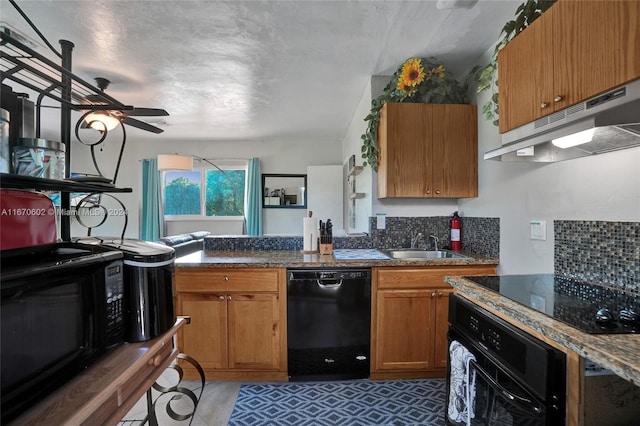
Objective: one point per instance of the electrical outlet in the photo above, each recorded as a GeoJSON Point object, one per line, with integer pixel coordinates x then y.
{"type": "Point", "coordinates": [538, 230]}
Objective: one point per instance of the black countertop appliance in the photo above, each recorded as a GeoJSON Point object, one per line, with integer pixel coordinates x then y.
{"type": "Point", "coordinates": [591, 308]}
{"type": "Point", "coordinates": [149, 270]}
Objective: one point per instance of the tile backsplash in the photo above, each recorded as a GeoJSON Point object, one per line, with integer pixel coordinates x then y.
{"type": "Point", "coordinates": [606, 253]}
{"type": "Point", "coordinates": [479, 235]}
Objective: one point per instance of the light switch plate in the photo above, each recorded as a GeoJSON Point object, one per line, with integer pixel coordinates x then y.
{"type": "Point", "coordinates": [538, 230]}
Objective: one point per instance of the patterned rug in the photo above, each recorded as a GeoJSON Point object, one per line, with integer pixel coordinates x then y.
{"type": "Point", "coordinates": [346, 403]}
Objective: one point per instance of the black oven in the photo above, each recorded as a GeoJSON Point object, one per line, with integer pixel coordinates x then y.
{"type": "Point", "coordinates": [499, 375]}
{"type": "Point", "coordinates": [61, 309]}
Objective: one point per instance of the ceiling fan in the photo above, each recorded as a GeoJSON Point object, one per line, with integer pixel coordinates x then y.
{"type": "Point", "coordinates": [110, 118]}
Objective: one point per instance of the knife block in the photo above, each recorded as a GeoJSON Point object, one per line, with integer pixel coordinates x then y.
{"type": "Point", "coordinates": [326, 248]}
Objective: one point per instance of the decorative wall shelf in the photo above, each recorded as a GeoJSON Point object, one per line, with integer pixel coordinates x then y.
{"type": "Point", "coordinates": [356, 170]}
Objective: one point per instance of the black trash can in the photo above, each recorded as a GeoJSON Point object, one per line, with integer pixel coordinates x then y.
{"type": "Point", "coordinates": [149, 270]}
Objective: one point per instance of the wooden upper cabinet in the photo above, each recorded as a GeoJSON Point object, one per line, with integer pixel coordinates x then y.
{"type": "Point", "coordinates": [575, 51]}
{"type": "Point", "coordinates": [525, 75]}
{"type": "Point", "coordinates": [596, 47]}
{"type": "Point", "coordinates": [428, 150]}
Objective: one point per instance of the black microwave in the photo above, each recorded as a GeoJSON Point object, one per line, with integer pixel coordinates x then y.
{"type": "Point", "coordinates": [61, 309]}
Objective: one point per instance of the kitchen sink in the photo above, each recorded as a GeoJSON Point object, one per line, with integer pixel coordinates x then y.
{"type": "Point", "coordinates": [406, 253]}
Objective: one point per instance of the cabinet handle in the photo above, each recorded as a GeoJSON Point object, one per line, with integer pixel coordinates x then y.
{"type": "Point", "coordinates": [226, 278]}
{"type": "Point", "coordinates": [428, 191]}
{"type": "Point", "coordinates": [437, 191]}
{"type": "Point", "coordinates": [544, 105]}
{"type": "Point", "coordinates": [221, 297]}
{"type": "Point", "coordinates": [228, 297]}
{"type": "Point", "coordinates": [433, 294]}
{"type": "Point", "coordinates": [155, 361]}
{"type": "Point", "coordinates": [557, 98]}
{"type": "Point", "coordinates": [440, 294]}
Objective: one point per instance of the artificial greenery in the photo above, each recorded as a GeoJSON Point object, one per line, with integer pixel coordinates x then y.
{"type": "Point", "coordinates": [417, 80]}
{"type": "Point", "coordinates": [486, 76]}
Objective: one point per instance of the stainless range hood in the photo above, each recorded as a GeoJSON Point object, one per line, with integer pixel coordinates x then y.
{"type": "Point", "coordinates": [614, 116]}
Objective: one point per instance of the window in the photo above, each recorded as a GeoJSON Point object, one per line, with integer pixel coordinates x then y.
{"type": "Point", "coordinates": [205, 192]}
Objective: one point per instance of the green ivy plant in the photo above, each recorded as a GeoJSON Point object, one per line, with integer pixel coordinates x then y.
{"type": "Point", "coordinates": [416, 80]}
{"type": "Point", "coordinates": [486, 76]}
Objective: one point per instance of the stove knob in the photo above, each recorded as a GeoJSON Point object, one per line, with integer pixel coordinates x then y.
{"type": "Point", "coordinates": [604, 316]}
{"type": "Point", "coordinates": [629, 316]}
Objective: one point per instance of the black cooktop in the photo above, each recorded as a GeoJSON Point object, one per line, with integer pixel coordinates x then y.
{"type": "Point", "coordinates": [575, 303]}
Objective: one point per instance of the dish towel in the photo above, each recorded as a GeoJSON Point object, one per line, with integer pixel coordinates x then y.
{"type": "Point", "coordinates": [462, 384]}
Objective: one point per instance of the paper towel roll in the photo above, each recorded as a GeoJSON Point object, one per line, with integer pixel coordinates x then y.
{"type": "Point", "coordinates": [310, 234]}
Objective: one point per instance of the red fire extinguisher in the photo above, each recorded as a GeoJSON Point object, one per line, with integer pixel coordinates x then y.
{"type": "Point", "coordinates": [456, 228]}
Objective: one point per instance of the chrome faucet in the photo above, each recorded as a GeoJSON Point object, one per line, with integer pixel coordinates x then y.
{"type": "Point", "coordinates": [416, 238]}
{"type": "Point", "coordinates": [435, 242]}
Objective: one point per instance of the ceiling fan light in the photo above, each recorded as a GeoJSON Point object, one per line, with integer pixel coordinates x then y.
{"type": "Point", "coordinates": [100, 120]}
{"type": "Point", "coordinates": [175, 162]}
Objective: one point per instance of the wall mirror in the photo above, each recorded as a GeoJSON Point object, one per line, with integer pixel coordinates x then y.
{"type": "Point", "coordinates": [284, 191]}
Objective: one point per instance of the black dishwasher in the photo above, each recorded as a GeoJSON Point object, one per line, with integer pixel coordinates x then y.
{"type": "Point", "coordinates": [328, 323]}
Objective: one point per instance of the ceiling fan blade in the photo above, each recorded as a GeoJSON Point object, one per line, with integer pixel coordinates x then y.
{"type": "Point", "coordinates": [146, 112]}
{"type": "Point", "coordinates": [141, 125]}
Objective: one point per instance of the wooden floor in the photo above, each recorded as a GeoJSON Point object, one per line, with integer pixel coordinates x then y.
{"type": "Point", "coordinates": [214, 408]}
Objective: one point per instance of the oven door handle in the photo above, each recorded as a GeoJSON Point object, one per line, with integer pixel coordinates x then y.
{"type": "Point", "coordinates": [527, 403]}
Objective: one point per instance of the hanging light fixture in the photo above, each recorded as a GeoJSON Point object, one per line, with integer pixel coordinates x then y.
{"type": "Point", "coordinates": [175, 162]}
{"type": "Point", "coordinates": [100, 120]}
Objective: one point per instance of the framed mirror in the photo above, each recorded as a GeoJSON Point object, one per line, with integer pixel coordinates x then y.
{"type": "Point", "coordinates": [284, 191]}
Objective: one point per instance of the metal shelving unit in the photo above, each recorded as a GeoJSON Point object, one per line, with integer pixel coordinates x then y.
{"type": "Point", "coordinates": [23, 65]}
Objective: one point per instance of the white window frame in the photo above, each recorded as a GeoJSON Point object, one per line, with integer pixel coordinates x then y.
{"type": "Point", "coordinates": [202, 167]}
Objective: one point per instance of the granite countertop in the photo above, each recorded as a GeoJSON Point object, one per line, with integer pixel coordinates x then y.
{"type": "Point", "coordinates": [619, 353]}
{"type": "Point", "coordinates": [297, 259]}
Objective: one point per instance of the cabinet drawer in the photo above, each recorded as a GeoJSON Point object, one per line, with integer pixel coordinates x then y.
{"type": "Point", "coordinates": [211, 280]}
{"type": "Point", "coordinates": [429, 277]}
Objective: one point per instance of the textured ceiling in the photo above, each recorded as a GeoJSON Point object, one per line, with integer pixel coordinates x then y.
{"type": "Point", "coordinates": [256, 70]}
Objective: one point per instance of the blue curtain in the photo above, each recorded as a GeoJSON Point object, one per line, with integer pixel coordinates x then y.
{"type": "Point", "coordinates": [151, 223]}
{"type": "Point", "coordinates": [253, 215]}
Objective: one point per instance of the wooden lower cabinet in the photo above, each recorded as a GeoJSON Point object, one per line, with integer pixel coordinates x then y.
{"type": "Point", "coordinates": [410, 320]}
{"type": "Point", "coordinates": [238, 322]}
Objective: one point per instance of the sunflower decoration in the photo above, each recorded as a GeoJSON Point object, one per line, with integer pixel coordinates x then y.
{"type": "Point", "coordinates": [411, 75]}
{"type": "Point", "coordinates": [416, 80]}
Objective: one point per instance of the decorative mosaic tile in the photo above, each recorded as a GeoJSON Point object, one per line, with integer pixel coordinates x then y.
{"type": "Point", "coordinates": [607, 253]}
{"type": "Point", "coordinates": [479, 235]}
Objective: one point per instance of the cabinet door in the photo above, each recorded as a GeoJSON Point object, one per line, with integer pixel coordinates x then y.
{"type": "Point", "coordinates": [454, 151]}
{"type": "Point", "coordinates": [441, 346]}
{"type": "Point", "coordinates": [255, 332]}
{"type": "Point", "coordinates": [595, 48]}
{"type": "Point", "coordinates": [405, 141]}
{"type": "Point", "coordinates": [525, 75]}
{"type": "Point", "coordinates": [205, 339]}
{"type": "Point", "coordinates": [404, 324]}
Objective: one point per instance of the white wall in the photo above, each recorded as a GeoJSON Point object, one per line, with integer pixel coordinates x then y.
{"type": "Point", "coordinates": [325, 194]}
{"type": "Point", "coordinates": [281, 156]}
{"type": "Point", "coordinates": [603, 187]}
